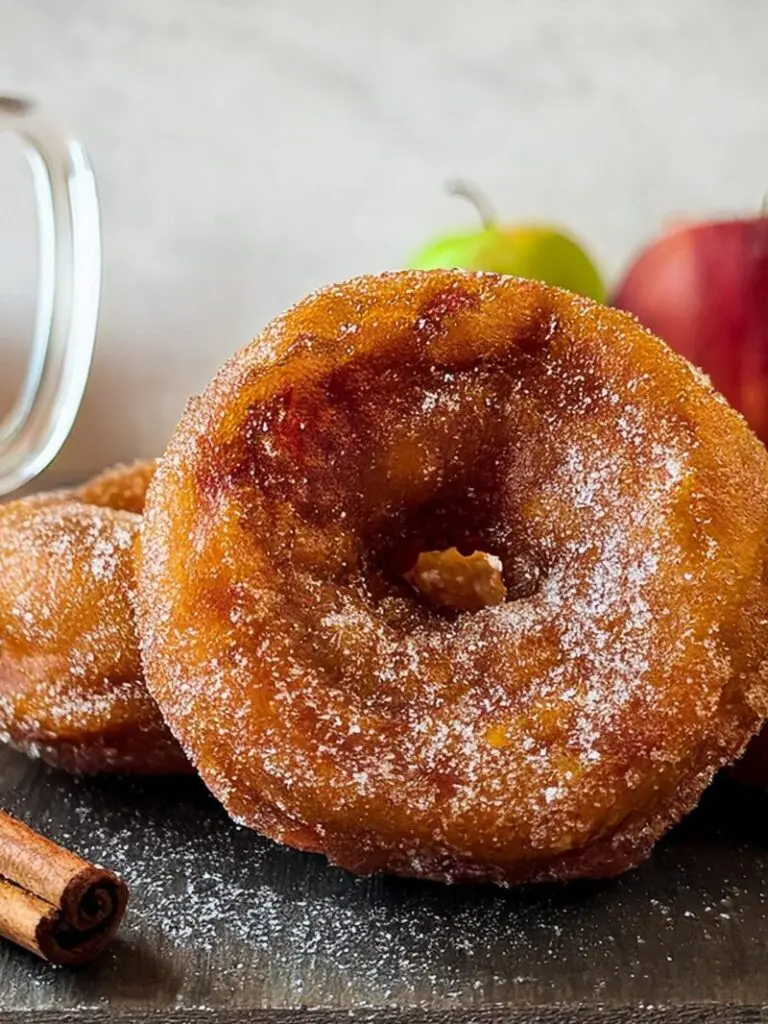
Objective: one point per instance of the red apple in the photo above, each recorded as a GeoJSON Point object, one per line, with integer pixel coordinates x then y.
{"type": "Point", "coordinates": [703, 288]}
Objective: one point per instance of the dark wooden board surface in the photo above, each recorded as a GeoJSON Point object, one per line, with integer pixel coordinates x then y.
{"type": "Point", "coordinates": [225, 926]}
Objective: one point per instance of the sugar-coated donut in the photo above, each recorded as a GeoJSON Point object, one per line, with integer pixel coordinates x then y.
{"type": "Point", "coordinates": [332, 707]}
{"type": "Point", "coordinates": [122, 487]}
{"type": "Point", "coordinates": [71, 683]}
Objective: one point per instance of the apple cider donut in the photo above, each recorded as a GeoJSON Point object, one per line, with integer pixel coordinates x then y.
{"type": "Point", "coordinates": [71, 684]}
{"type": "Point", "coordinates": [519, 442]}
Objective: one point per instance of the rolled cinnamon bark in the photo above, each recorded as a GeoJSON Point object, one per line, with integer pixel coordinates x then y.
{"type": "Point", "coordinates": [52, 902]}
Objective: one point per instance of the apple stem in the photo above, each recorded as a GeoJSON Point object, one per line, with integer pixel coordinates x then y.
{"type": "Point", "coordinates": [477, 199]}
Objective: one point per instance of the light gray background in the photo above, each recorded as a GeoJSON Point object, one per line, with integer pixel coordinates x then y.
{"type": "Point", "coordinates": [248, 151]}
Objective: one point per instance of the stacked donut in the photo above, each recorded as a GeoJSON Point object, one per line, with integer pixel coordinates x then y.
{"type": "Point", "coordinates": [71, 684]}
{"type": "Point", "coordinates": [446, 575]}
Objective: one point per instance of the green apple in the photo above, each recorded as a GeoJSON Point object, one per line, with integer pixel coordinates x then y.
{"type": "Point", "coordinates": [534, 251]}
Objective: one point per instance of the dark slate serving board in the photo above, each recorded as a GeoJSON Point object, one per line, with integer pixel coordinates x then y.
{"type": "Point", "coordinates": [227, 927]}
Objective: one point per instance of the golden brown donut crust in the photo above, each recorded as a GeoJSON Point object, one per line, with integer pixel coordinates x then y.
{"type": "Point", "coordinates": [558, 734]}
{"type": "Point", "coordinates": [71, 683]}
{"type": "Point", "coordinates": [122, 487]}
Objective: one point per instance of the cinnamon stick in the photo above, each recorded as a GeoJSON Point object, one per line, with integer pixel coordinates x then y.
{"type": "Point", "coordinates": [52, 902]}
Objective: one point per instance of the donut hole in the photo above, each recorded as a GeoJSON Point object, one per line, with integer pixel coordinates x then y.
{"type": "Point", "coordinates": [463, 538]}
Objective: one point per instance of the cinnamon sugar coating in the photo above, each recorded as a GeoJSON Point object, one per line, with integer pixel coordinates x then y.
{"type": "Point", "coordinates": [71, 683]}
{"type": "Point", "coordinates": [119, 487]}
{"type": "Point", "coordinates": [554, 735]}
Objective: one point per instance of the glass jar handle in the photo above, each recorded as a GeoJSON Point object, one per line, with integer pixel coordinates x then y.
{"type": "Point", "coordinates": [69, 285]}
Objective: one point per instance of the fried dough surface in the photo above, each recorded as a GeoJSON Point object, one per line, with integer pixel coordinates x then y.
{"type": "Point", "coordinates": [328, 705]}
{"type": "Point", "coordinates": [71, 683]}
